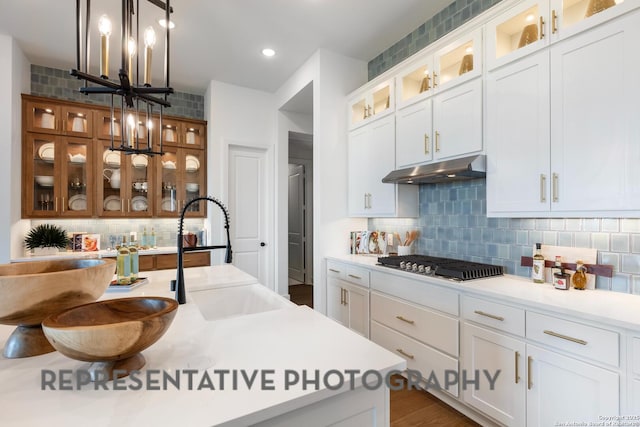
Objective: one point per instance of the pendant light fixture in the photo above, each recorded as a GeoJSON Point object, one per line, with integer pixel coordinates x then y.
{"type": "Point", "coordinates": [139, 101]}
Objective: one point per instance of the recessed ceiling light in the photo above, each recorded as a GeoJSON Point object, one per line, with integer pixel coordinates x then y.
{"type": "Point", "coordinates": [268, 52]}
{"type": "Point", "coordinates": [163, 24]}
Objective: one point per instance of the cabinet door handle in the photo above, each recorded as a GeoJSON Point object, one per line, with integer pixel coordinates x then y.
{"type": "Point", "coordinates": [353, 276]}
{"type": "Point", "coordinates": [565, 337]}
{"type": "Point", "coordinates": [437, 141]}
{"type": "Point", "coordinates": [410, 356]}
{"type": "Point", "coordinates": [426, 144]}
{"type": "Point", "coordinates": [411, 322]}
{"type": "Point", "coordinates": [517, 372]}
{"type": "Point", "coordinates": [334, 271]}
{"type": "Point", "coordinates": [365, 200]}
{"type": "Point", "coordinates": [56, 204]}
{"type": "Point", "coordinates": [543, 189]}
{"type": "Point", "coordinates": [554, 19]}
{"type": "Point", "coordinates": [346, 297]}
{"type": "Point", "coordinates": [62, 205]}
{"type": "Point", "coordinates": [128, 205]}
{"type": "Point", "coordinates": [492, 316]}
{"type": "Point", "coordinates": [341, 296]}
{"type": "Point", "coordinates": [529, 381]}
{"type": "Point", "coordinates": [435, 82]}
{"type": "Point", "coordinates": [541, 28]}
{"type": "Point", "coordinates": [555, 188]}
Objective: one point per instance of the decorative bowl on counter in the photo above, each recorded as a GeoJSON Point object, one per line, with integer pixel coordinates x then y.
{"type": "Point", "coordinates": [31, 291]}
{"type": "Point", "coordinates": [111, 333]}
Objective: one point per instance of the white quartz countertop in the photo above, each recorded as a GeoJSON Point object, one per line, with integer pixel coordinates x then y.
{"type": "Point", "coordinates": [95, 254]}
{"type": "Point", "coordinates": [292, 338]}
{"type": "Point", "coordinates": [615, 308]}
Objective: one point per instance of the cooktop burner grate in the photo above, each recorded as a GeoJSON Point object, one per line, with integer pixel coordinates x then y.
{"type": "Point", "coordinates": [446, 267]}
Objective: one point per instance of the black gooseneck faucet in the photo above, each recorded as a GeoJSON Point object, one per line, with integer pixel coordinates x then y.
{"type": "Point", "coordinates": [178, 284]}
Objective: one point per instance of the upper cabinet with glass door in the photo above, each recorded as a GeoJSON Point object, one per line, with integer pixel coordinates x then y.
{"type": "Point", "coordinates": [372, 103]}
{"type": "Point", "coordinates": [183, 133]}
{"type": "Point", "coordinates": [52, 117]}
{"type": "Point", "coordinates": [531, 25]}
{"type": "Point", "coordinates": [451, 65]}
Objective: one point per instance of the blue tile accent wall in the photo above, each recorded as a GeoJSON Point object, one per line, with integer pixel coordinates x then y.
{"type": "Point", "coordinates": [55, 83]}
{"type": "Point", "coordinates": [448, 19]}
{"type": "Point", "coordinates": [453, 223]}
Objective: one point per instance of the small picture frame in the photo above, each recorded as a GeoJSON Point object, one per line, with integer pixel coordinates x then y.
{"type": "Point", "coordinates": [90, 242]}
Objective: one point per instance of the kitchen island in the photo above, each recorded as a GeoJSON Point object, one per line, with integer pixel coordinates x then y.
{"type": "Point", "coordinates": [259, 335]}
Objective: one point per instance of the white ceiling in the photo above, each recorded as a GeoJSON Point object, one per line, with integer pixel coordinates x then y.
{"type": "Point", "coordinates": [222, 39]}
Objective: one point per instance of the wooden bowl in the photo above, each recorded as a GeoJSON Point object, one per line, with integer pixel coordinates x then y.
{"type": "Point", "coordinates": [110, 333]}
{"type": "Point", "coordinates": [31, 291]}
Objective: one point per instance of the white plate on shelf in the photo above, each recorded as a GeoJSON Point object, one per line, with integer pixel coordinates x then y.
{"type": "Point", "coordinates": [169, 164]}
{"type": "Point", "coordinates": [47, 152]}
{"type": "Point", "coordinates": [78, 202]}
{"type": "Point", "coordinates": [192, 163]}
{"type": "Point", "coordinates": [139, 203]}
{"type": "Point", "coordinates": [77, 158]}
{"type": "Point", "coordinates": [111, 203]}
{"type": "Point", "coordinates": [111, 158]}
{"type": "Point", "coordinates": [168, 205]}
{"type": "Point", "coordinates": [139, 161]}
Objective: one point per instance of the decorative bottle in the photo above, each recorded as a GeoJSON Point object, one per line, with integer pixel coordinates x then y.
{"type": "Point", "coordinates": [144, 239]}
{"type": "Point", "coordinates": [134, 259]}
{"type": "Point", "coordinates": [560, 278]}
{"type": "Point", "coordinates": [152, 238]}
{"type": "Point", "coordinates": [123, 266]}
{"type": "Point", "coordinates": [579, 278]}
{"type": "Point", "coordinates": [537, 271]}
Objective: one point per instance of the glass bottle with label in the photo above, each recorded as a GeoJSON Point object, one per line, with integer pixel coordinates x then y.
{"type": "Point", "coordinates": [560, 278]}
{"type": "Point", "coordinates": [144, 239]}
{"type": "Point", "coordinates": [133, 256]}
{"type": "Point", "coordinates": [152, 238]}
{"type": "Point", "coordinates": [537, 270]}
{"type": "Point", "coordinates": [123, 266]}
{"type": "Point", "coordinates": [579, 278]}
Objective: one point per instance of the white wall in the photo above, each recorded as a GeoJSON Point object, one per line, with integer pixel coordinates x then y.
{"type": "Point", "coordinates": [333, 77]}
{"type": "Point", "coordinates": [14, 80]}
{"type": "Point", "coordinates": [237, 116]}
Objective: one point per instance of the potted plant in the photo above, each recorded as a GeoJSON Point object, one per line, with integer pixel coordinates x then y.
{"type": "Point", "coordinates": [46, 239]}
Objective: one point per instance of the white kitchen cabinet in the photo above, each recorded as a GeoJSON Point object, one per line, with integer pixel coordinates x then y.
{"type": "Point", "coordinates": [532, 24]}
{"type": "Point", "coordinates": [347, 300]}
{"type": "Point", "coordinates": [371, 156]}
{"type": "Point", "coordinates": [371, 104]}
{"type": "Point", "coordinates": [561, 388]}
{"type": "Point", "coordinates": [592, 131]}
{"type": "Point", "coordinates": [457, 120]}
{"type": "Point", "coordinates": [633, 375]}
{"type": "Point", "coordinates": [413, 134]}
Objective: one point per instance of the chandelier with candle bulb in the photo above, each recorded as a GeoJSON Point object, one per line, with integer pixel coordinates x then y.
{"type": "Point", "coordinates": [135, 101]}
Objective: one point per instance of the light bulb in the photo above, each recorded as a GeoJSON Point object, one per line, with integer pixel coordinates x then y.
{"type": "Point", "coordinates": [149, 42]}
{"type": "Point", "coordinates": [469, 49]}
{"type": "Point", "coordinates": [131, 47]}
{"type": "Point", "coordinates": [104, 26]}
{"type": "Point", "coordinates": [131, 128]}
{"type": "Point", "coordinates": [530, 17]}
{"type": "Point", "coordinates": [149, 37]}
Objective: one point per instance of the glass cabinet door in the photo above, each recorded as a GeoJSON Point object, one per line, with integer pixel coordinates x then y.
{"type": "Point", "coordinates": [111, 190]}
{"type": "Point", "coordinates": [103, 121]}
{"type": "Point", "coordinates": [77, 121]}
{"type": "Point", "coordinates": [458, 62]}
{"type": "Point", "coordinates": [168, 182]}
{"type": "Point", "coordinates": [76, 178]}
{"type": "Point", "coordinates": [140, 182]}
{"type": "Point", "coordinates": [567, 13]}
{"type": "Point", "coordinates": [42, 117]}
{"type": "Point", "coordinates": [416, 82]}
{"type": "Point", "coordinates": [41, 175]}
{"type": "Point", "coordinates": [193, 182]}
{"type": "Point", "coordinates": [193, 135]}
{"type": "Point", "coordinates": [170, 132]}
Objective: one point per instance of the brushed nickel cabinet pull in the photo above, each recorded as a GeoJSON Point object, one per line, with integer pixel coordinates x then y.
{"type": "Point", "coordinates": [565, 337]}
{"type": "Point", "coordinates": [437, 141]}
{"type": "Point", "coordinates": [346, 297]}
{"type": "Point", "coordinates": [411, 322]}
{"type": "Point", "coordinates": [426, 144]}
{"type": "Point", "coordinates": [334, 271]}
{"type": "Point", "coordinates": [517, 373]}
{"type": "Point", "coordinates": [529, 381]}
{"type": "Point", "coordinates": [341, 296]}
{"type": "Point", "coordinates": [554, 19]}
{"type": "Point", "coordinates": [543, 185]}
{"type": "Point", "coordinates": [399, 350]}
{"type": "Point", "coordinates": [555, 188]}
{"type": "Point", "coordinates": [365, 200]}
{"type": "Point", "coordinates": [492, 316]}
{"type": "Point", "coordinates": [541, 28]}
{"type": "Point", "coordinates": [354, 276]}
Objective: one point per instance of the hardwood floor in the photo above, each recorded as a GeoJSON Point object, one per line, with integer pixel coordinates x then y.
{"type": "Point", "coordinates": [419, 408]}
{"type": "Point", "coordinates": [301, 294]}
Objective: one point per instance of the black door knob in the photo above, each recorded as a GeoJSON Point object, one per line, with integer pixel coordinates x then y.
{"type": "Point", "coordinates": [263, 244]}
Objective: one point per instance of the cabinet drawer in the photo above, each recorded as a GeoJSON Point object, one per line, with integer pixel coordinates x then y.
{"type": "Point", "coordinates": [336, 270]}
{"type": "Point", "coordinates": [495, 315]}
{"type": "Point", "coordinates": [419, 357]}
{"type": "Point", "coordinates": [435, 329]}
{"type": "Point", "coordinates": [146, 263]}
{"type": "Point", "coordinates": [635, 355]}
{"type": "Point", "coordinates": [594, 343]}
{"type": "Point", "coordinates": [417, 291]}
{"type": "Point", "coordinates": [191, 259]}
{"type": "Point", "coordinates": [357, 275]}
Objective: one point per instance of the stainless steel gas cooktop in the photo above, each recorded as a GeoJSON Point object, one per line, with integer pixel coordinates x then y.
{"type": "Point", "coordinates": [446, 267]}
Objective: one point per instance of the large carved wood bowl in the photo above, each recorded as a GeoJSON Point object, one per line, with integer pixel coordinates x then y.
{"type": "Point", "coordinates": [31, 291]}
{"type": "Point", "coordinates": [111, 333]}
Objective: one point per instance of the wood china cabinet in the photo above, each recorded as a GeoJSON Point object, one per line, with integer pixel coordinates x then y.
{"type": "Point", "coordinates": [70, 171]}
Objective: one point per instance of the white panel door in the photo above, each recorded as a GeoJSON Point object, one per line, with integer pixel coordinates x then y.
{"type": "Point", "coordinates": [564, 389]}
{"type": "Point", "coordinates": [247, 208]}
{"type": "Point", "coordinates": [595, 110]}
{"type": "Point", "coordinates": [296, 223]}
{"type": "Point", "coordinates": [518, 136]}
{"type": "Point", "coordinates": [457, 120]}
{"type": "Point", "coordinates": [413, 135]}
